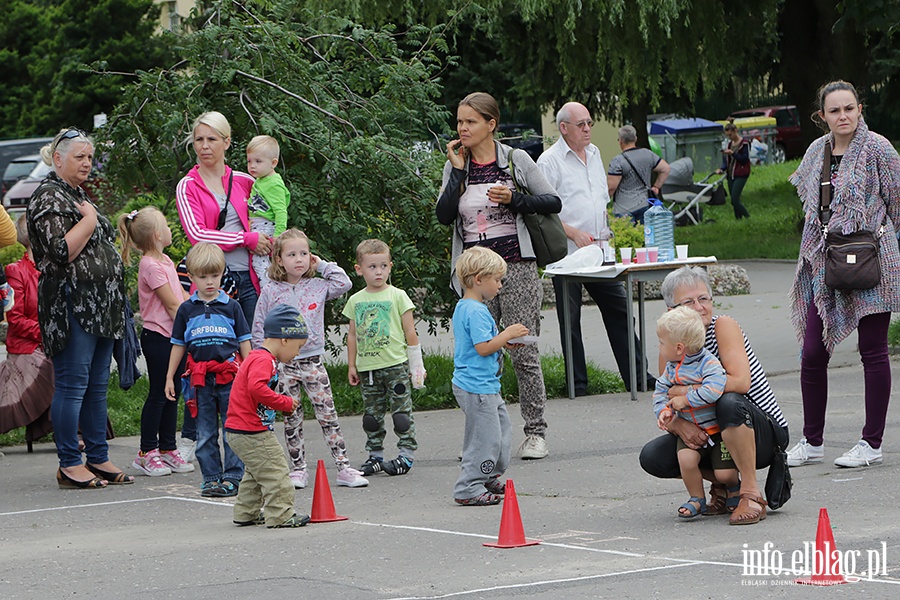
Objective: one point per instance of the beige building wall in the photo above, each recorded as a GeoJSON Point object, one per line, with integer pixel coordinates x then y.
{"type": "Point", "coordinates": [173, 13]}
{"type": "Point", "coordinates": [604, 135]}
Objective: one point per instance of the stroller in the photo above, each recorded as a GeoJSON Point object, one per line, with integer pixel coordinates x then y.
{"type": "Point", "coordinates": [684, 197]}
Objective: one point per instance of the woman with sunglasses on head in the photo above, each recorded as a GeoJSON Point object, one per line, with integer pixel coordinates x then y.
{"type": "Point", "coordinates": [212, 205]}
{"type": "Point", "coordinates": [481, 200]}
{"type": "Point", "coordinates": [81, 308]}
{"type": "Point", "coordinates": [860, 191]}
{"type": "Point", "coordinates": [751, 421]}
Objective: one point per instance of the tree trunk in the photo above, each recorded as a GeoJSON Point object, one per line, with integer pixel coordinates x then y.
{"type": "Point", "coordinates": [812, 54]}
{"type": "Point", "coordinates": [637, 114]}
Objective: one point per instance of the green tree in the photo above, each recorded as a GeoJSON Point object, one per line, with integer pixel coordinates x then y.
{"type": "Point", "coordinates": [625, 58]}
{"type": "Point", "coordinates": [347, 104]}
{"type": "Point", "coordinates": [46, 48]}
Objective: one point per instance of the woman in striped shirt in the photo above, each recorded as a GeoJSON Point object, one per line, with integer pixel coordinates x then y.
{"type": "Point", "coordinates": [752, 422]}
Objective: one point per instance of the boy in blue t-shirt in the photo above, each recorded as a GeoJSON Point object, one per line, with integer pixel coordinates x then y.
{"type": "Point", "coordinates": [476, 379]}
{"type": "Point", "coordinates": [210, 327]}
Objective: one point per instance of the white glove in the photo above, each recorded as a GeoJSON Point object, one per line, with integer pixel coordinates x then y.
{"type": "Point", "coordinates": [416, 366]}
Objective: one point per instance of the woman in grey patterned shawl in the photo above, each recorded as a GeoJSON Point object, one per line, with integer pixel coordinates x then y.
{"type": "Point", "coordinates": [81, 306]}
{"type": "Point", "coordinates": [865, 183]}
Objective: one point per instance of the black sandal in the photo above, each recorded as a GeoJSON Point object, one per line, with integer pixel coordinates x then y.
{"type": "Point", "coordinates": [67, 483]}
{"type": "Point", "coordinates": [116, 478]}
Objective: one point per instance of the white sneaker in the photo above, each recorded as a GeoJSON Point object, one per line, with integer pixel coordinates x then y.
{"type": "Point", "coordinates": [534, 447]}
{"type": "Point", "coordinates": [805, 453]}
{"type": "Point", "coordinates": [351, 478]}
{"type": "Point", "coordinates": [151, 464]}
{"type": "Point", "coordinates": [176, 462]}
{"type": "Point", "coordinates": [300, 479]}
{"type": "Point", "coordinates": [860, 455]}
{"type": "Point", "coordinates": [186, 449]}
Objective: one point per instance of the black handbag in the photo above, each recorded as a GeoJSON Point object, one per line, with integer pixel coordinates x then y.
{"type": "Point", "coordinates": [851, 259]}
{"type": "Point", "coordinates": [548, 238]}
{"type": "Point", "coordinates": [778, 479]}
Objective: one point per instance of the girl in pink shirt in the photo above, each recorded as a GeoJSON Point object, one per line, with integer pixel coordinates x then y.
{"type": "Point", "coordinates": [159, 294]}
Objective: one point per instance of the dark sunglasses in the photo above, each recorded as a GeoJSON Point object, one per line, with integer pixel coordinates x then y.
{"type": "Point", "coordinates": [73, 133]}
{"type": "Point", "coordinates": [223, 212]}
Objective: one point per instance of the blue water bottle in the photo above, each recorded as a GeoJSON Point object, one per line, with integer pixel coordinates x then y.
{"type": "Point", "coordinates": [659, 230]}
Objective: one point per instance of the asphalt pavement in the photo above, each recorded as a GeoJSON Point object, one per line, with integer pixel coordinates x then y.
{"type": "Point", "coordinates": [608, 530]}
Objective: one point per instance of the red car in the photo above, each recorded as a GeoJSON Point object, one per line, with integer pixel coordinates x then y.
{"type": "Point", "coordinates": [788, 140]}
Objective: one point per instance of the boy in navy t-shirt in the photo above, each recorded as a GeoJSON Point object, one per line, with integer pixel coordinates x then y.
{"type": "Point", "coordinates": [476, 379]}
{"type": "Point", "coordinates": [212, 329]}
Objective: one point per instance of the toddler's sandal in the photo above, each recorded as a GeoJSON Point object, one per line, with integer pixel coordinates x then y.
{"type": "Point", "coordinates": [692, 510]}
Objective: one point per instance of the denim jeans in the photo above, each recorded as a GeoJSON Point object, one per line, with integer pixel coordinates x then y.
{"type": "Point", "coordinates": [212, 401]}
{"type": "Point", "coordinates": [247, 295]}
{"type": "Point", "coordinates": [81, 372]}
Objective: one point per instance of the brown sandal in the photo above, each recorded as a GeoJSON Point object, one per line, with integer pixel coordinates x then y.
{"type": "Point", "coordinates": [750, 510]}
{"type": "Point", "coordinates": [721, 500]}
{"type": "Point", "coordinates": [717, 497]}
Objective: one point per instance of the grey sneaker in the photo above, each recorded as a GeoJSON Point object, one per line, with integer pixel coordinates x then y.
{"type": "Point", "coordinates": [186, 448]}
{"type": "Point", "coordinates": [860, 455]}
{"type": "Point", "coordinates": [294, 521]}
{"type": "Point", "coordinates": [483, 499]}
{"type": "Point", "coordinates": [533, 448]}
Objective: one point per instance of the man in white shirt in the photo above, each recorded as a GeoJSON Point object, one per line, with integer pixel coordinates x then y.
{"type": "Point", "coordinates": [574, 168]}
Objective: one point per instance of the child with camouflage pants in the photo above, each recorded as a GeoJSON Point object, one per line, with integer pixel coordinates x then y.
{"type": "Point", "coordinates": [383, 355]}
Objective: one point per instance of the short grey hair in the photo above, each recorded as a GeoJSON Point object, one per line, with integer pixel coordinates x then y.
{"type": "Point", "coordinates": [684, 277]}
{"type": "Point", "coordinates": [562, 115]}
{"type": "Point", "coordinates": [627, 134]}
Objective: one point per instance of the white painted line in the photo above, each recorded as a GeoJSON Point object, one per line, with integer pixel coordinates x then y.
{"type": "Point", "coordinates": [114, 502]}
{"type": "Point", "coordinates": [545, 582]}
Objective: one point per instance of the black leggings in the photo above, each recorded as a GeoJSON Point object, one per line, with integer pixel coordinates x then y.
{"type": "Point", "coordinates": [659, 456]}
{"type": "Point", "coordinates": [160, 415]}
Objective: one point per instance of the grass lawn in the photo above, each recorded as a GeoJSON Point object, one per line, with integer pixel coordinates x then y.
{"type": "Point", "coordinates": [772, 231]}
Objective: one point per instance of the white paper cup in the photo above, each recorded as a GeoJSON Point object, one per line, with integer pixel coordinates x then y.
{"type": "Point", "coordinates": [640, 255]}
{"type": "Point", "coordinates": [626, 255]}
{"type": "Point", "coordinates": [681, 251]}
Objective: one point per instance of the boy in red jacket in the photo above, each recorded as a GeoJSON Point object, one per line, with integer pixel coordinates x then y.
{"type": "Point", "coordinates": [266, 485]}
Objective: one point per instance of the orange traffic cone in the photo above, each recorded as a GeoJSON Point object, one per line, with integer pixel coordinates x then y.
{"type": "Point", "coordinates": [512, 534]}
{"type": "Point", "coordinates": [323, 504]}
{"type": "Point", "coordinates": [826, 567]}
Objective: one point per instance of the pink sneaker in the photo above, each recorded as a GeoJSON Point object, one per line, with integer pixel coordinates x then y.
{"type": "Point", "coordinates": [174, 460]}
{"type": "Point", "coordinates": [300, 479]}
{"type": "Point", "coordinates": [151, 464]}
{"type": "Point", "coordinates": [351, 478]}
